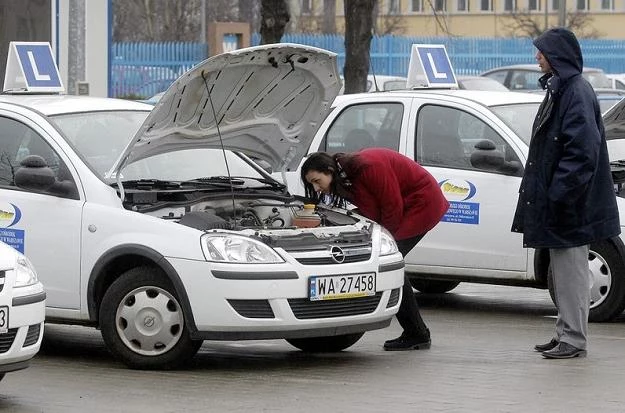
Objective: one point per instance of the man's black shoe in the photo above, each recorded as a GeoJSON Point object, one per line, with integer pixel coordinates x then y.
{"type": "Point", "coordinates": [405, 342]}
{"type": "Point", "coordinates": [547, 346]}
{"type": "Point", "coordinates": [564, 351]}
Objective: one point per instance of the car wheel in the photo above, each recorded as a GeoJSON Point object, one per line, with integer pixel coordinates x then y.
{"type": "Point", "coordinates": [143, 323]}
{"type": "Point", "coordinates": [607, 272]}
{"type": "Point", "coordinates": [2, 376]}
{"type": "Point", "coordinates": [325, 344]}
{"type": "Point", "coordinates": [433, 287]}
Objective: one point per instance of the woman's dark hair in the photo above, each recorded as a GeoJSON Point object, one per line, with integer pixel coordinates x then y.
{"type": "Point", "coordinates": [326, 163]}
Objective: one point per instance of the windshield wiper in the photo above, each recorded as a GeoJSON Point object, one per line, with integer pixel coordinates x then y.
{"type": "Point", "coordinates": [269, 182]}
{"type": "Point", "coordinates": [216, 180]}
{"type": "Point", "coordinates": [149, 184]}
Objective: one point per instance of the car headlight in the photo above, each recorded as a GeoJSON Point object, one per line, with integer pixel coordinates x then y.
{"type": "Point", "coordinates": [238, 249]}
{"type": "Point", "coordinates": [388, 245]}
{"type": "Point", "coordinates": [25, 274]}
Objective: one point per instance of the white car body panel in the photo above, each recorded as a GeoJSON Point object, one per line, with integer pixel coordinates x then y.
{"type": "Point", "coordinates": [485, 252]}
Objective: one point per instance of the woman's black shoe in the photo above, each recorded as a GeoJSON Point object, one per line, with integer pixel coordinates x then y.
{"type": "Point", "coordinates": [405, 342]}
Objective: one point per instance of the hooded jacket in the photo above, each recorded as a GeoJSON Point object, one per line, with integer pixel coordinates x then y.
{"type": "Point", "coordinates": [566, 197]}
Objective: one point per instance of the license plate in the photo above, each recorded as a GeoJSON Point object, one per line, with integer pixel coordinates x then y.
{"type": "Point", "coordinates": [335, 287]}
{"type": "Point", "coordinates": [4, 319]}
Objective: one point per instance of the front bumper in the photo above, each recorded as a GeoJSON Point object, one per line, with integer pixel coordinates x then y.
{"type": "Point", "coordinates": [23, 340]}
{"type": "Point", "coordinates": [273, 303]}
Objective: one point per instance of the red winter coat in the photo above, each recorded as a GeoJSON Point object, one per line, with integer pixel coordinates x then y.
{"type": "Point", "coordinates": [394, 191]}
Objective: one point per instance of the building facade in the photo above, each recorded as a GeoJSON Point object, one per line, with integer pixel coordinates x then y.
{"type": "Point", "coordinates": [601, 19]}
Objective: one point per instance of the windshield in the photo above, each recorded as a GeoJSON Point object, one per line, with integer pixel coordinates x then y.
{"type": "Point", "coordinates": [100, 137]}
{"type": "Point", "coordinates": [518, 117]}
{"type": "Point", "coordinates": [190, 164]}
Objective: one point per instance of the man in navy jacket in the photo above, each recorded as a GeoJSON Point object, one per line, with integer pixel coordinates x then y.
{"type": "Point", "coordinates": [566, 199]}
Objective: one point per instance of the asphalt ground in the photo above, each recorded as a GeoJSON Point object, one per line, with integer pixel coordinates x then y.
{"type": "Point", "coordinates": [481, 360]}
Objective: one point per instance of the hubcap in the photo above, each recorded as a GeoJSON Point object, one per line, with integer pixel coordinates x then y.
{"type": "Point", "coordinates": [149, 321]}
{"type": "Point", "coordinates": [600, 279]}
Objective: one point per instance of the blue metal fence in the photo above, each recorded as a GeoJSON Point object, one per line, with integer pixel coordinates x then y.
{"type": "Point", "coordinates": [143, 69]}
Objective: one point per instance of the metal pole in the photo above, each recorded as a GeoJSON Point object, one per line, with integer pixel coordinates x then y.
{"type": "Point", "coordinates": [546, 14]}
{"type": "Point", "coordinates": [203, 24]}
{"type": "Point", "coordinates": [562, 13]}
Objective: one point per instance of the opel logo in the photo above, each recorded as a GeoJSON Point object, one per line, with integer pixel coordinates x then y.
{"type": "Point", "coordinates": [149, 321]}
{"type": "Point", "coordinates": [337, 254]}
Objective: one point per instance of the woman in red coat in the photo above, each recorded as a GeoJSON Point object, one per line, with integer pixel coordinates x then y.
{"type": "Point", "coordinates": [394, 191]}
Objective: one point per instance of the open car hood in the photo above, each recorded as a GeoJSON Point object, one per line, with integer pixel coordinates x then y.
{"type": "Point", "coordinates": [265, 101]}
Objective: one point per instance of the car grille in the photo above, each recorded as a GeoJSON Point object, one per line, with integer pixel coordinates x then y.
{"type": "Point", "coordinates": [32, 336]}
{"type": "Point", "coordinates": [2, 273]}
{"type": "Point", "coordinates": [6, 340]}
{"type": "Point", "coordinates": [303, 308]}
{"type": "Point", "coordinates": [252, 308]}
{"type": "Point", "coordinates": [394, 298]}
{"type": "Point", "coordinates": [356, 253]}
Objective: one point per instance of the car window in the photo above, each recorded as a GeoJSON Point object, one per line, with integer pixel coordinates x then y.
{"type": "Point", "coordinates": [519, 118]}
{"type": "Point", "coordinates": [100, 137]}
{"type": "Point", "coordinates": [363, 126]}
{"type": "Point", "coordinates": [395, 85]}
{"type": "Point", "coordinates": [446, 137]}
{"type": "Point", "coordinates": [499, 76]}
{"type": "Point", "coordinates": [17, 141]}
{"type": "Point", "coordinates": [190, 164]}
{"type": "Point", "coordinates": [524, 79]}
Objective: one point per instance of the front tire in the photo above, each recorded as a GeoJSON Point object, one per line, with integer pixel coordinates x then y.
{"type": "Point", "coordinates": [325, 344]}
{"type": "Point", "coordinates": [607, 272]}
{"type": "Point", "coordinates": [142, 321]}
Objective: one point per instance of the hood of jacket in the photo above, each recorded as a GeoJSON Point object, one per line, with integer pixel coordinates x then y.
{"type": "Point", "coordinates": [563, 52]}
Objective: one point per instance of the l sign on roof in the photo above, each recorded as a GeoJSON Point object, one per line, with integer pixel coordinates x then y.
{"type": "Point", "coordinates": [430, 67]}
{"type": "Point", "coordinates": [31, 68]}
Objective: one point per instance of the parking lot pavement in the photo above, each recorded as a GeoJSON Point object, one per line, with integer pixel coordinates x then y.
{"type": "Point", "coordinates": [481, 360]}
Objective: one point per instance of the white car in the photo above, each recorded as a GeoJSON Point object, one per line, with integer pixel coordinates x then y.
{"type": "Point", "coordinates": [22, 306]}
{"type": "Point", "coordinates": [380, 83]}
{"type": "Point", "coordinates": [523, 77]}
{"type": "Point", "coordinates": [138, 225]}
{"type": "Point", "coordinates": [617, 80]}
{"type": "Point", "coordinates": [475, 143]}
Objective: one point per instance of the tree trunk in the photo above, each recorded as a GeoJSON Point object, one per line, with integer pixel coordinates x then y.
{"type": "Point", "coordinates": [358, 25]}
{"type": "Point", "coordinates": [274, 18]}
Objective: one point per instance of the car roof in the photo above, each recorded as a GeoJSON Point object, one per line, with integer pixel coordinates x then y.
{"type": "Point", "coordinates": [533, 67]}
{"type": "Point", "coordinates": [61, 104]}
{"type": "Point", "coordinates": [603, 91]}
{"type": "Point", "coordinates": [483, 97]}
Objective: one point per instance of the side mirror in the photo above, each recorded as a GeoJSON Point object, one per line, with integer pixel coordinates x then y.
{"type": "Point", "coordinates": [34, 174]}
{"type": "Point", "coordinates": [486, 156]}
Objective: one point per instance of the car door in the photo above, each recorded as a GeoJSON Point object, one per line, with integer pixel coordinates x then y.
{"type": "Point", "coordinates": [473, 239]}
{"type": "Point", "coordinates": [44, 225]}
{"type": "Point", "coordinates": [372, 120]}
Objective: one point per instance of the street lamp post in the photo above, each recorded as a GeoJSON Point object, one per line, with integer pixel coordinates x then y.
{"type": "Point", "coordinates": [562, 13]}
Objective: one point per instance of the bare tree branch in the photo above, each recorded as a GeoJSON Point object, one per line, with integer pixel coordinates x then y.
{"type": "Point", "coordinates": [524, 23]}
